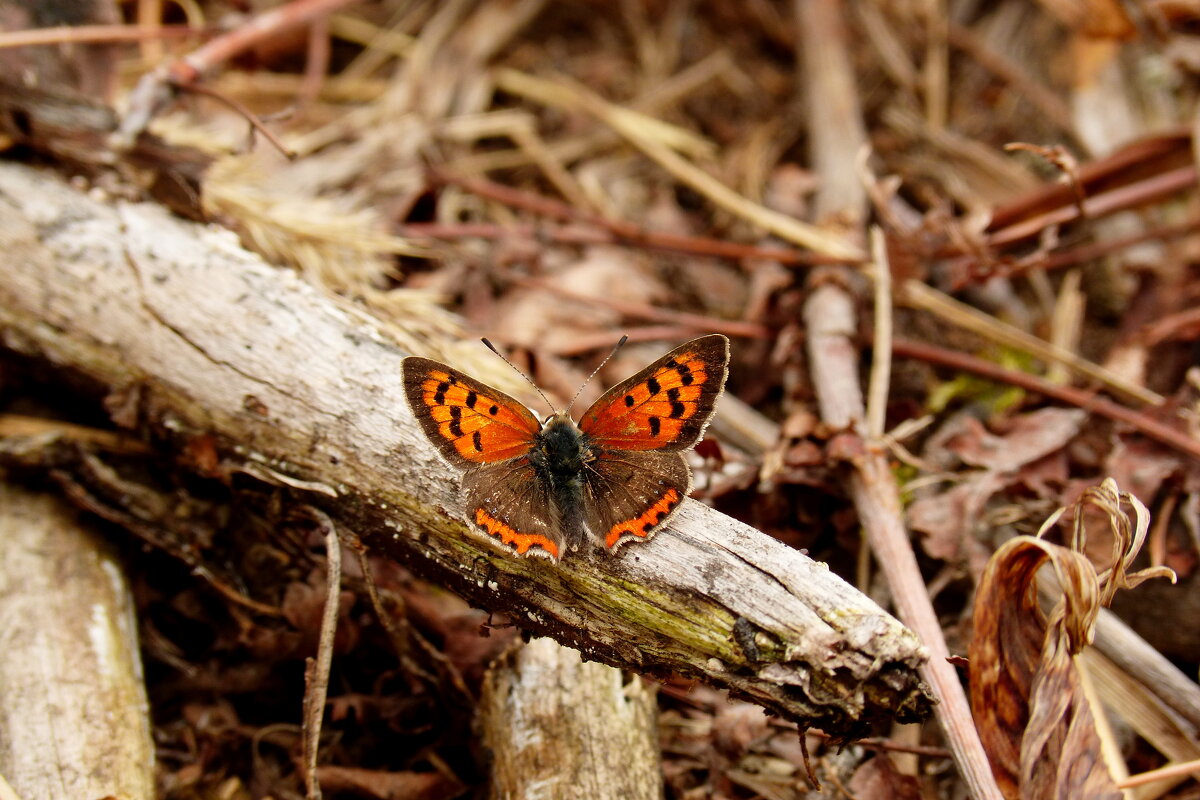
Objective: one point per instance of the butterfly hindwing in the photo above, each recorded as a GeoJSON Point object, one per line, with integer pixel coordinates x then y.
{"type": "Point", "coordinates": [630, 494]}
{"type": "Point", "coordinates": [667, 405]}
{"type": "Point", "coordinates": [508, 502]}
{"type": "Point", "coordinates": [468, 421]}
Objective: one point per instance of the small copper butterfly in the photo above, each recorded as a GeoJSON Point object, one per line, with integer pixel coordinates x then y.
{"type": "Point", "coordinates": [542, 488]}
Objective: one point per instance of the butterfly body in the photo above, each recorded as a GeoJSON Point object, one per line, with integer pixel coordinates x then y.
{"type": "Point", "coordinates": [559, 456]}
{"type": "Point", "coordinates": [542, 488]}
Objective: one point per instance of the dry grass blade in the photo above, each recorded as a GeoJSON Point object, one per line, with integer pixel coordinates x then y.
{"type": "Point", "coordinates": [662, 144]}
{"type": "Point", "coordinates": [918, 295]}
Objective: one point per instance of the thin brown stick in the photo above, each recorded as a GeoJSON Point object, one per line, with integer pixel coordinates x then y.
{"type": "Point", "coordinates": [1180, 325]}
{"type": "Point", "coordinates": [1088, 401]}
{"type": "Point", "coordinates": [243, 111]}
{"type": "Point", "coordinates": [157, 89]}
{"type": "Point", "coordinates": [1146, 191]}
{"type": "Point", "coordinates": [581, 343]}
{"type": "Point", "coordinates": [257, 30]}
{"type": "Point", "coordinates": [920, 295]}
{"type": "Point", "coordinates": [577, 234]}
{"type": "Point", "coordinates": [316, 672]}
{"type": "Point", "coordinates": [829, 314]}
{"type": "Point", "coordinates": [1072, 256]}
{"type": "Point", "coordinates": [1154, 155]}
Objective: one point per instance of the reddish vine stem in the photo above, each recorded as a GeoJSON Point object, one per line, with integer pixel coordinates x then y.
{"type": "Point", "coordinates": [617, 231]}
{"type": "Point", "coordinates": [1088, 401]}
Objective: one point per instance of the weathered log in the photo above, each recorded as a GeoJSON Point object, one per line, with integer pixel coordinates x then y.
{"type": "Point", "coordinates": [74, 719]}
{"type": "Point", "coordinates": [208, 341]}
{"type": "Point", "coordinates": [559, 728]}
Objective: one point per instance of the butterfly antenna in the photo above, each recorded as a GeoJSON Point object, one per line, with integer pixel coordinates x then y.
{"type": "Point", "coordinates": [620, 344]}
{"type": "Point", "coordinates": [492, 347]}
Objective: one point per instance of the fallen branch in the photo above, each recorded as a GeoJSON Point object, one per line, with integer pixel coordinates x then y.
{"type": "Point", "coordinates": [559, 727]}
{"type": "Point", "coordinates": [203, 341]}
{"type": "Point", "coordinates": [73, 710]}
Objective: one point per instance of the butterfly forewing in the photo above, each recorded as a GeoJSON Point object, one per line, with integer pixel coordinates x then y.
{"type": "Point", "coordinates": [468, 421]}
{"type": "Point", "coordinates": [665, 406]}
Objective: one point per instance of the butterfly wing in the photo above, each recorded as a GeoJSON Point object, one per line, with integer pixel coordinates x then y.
{"type": "Point", "coordinates": [510, 503]}
{"type": "Point", "coordinates": [467, 421]}
{"type": "Point", "coordinates": [638, 430]}
{"type": "Point", "coordinates": [489, 434]}
{"type": "Point", "coordinates": [667, 405]}
{"type": "Point", "coordinates": [628, 495]}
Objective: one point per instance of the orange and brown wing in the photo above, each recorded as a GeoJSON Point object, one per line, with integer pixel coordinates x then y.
{"type": "Point", "coordinates": [667, 405]}
{"type": "Point", "coordinates": [508, 502]}
{"type": "Point", "coordinates": [629, 495]}
{"type": "Point", "coordinates": [469, 422]}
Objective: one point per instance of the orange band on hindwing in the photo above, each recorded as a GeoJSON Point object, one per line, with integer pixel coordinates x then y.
{"type": "Point", "coordinates": [643, 525]}
{"type": "Point", "coordinates": [521, 542]}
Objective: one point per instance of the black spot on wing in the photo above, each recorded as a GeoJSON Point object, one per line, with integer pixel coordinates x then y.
{"type": "Point", "coordinates": [677, 408]}
{"type": "Point", "coordinates": [655, 426]}
{"type": "Point", "coordinates": [439, 396]}
{"type": "Point", "coordinates": [477, 442]}
{"type": "Point", "coordinates": [472, 398]}
{"type": "Point", "coordinates": [653, 385]}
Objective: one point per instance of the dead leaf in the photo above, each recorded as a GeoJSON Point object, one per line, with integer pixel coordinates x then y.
{"type": "Point", "coordinates": [1029, 437]}
{"type": "Point", "coordinates": [1036, 722]}
{"type": "Point", "coordinates": [879, 780]}
{"type": "Point", "coordinates": [946, 517]}
{"type": "Point", "coordinates": [1140, 465]}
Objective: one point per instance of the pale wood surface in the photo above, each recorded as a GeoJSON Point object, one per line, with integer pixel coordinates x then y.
{"type": "Point", "coordinates": [305, 392]}
{"type": "Point", "coordinates": [74, 719]}
{"type": "Point", "coordinates": [559, 728]}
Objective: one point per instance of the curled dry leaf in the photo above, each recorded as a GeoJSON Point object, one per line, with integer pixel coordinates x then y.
{"type": "Point", "coordinates": [1038, 725]}
{"type": "Point", "coordinates": [1030, 437]}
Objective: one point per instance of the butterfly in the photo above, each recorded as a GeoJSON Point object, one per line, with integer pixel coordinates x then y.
{"type": "Point", "coordinates": [544, 488]}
